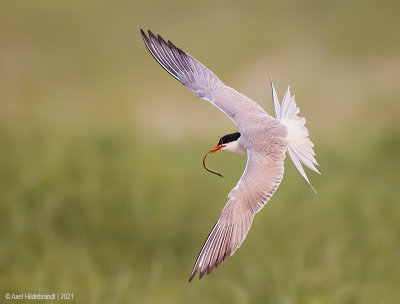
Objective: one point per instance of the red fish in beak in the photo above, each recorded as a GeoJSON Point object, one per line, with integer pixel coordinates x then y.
{"type": "Point", "coordinates": [213, 150]}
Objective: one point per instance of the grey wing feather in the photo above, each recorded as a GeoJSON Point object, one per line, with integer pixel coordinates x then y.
{"type": "Point", "coordinates": [181, 65]}
{"type": "Point", "coordinates": [259, 181]}
{"type": "Point", "coordinates": [198, 78]}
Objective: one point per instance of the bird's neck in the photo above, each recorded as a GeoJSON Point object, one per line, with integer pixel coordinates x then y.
{"type": "Point", "coordinates": [235, 147]}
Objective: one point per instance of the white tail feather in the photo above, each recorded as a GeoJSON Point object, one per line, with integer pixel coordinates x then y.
{"type": "Point", "coordinates": [300, 147]}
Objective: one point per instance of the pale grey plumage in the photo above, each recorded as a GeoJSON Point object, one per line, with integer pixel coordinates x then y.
{"type": "Point", "coordinates": [259, 181]}
{"type": "Point", "coordinates": [262, 136]}
{"type": "Point", "coordinates": [202, 81]}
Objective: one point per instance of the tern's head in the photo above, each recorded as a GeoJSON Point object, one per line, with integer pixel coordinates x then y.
{"type": "Point", "coordinates": [228, 142]}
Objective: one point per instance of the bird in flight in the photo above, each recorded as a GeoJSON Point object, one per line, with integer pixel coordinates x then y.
{"type": "Point", "coordinates": [265, 140]}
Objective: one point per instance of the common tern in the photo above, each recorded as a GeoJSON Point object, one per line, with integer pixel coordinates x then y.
{"type": "Point", "coordinates": [265, 140]}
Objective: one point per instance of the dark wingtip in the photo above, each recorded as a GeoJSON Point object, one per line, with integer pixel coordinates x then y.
{"type": "Point", "coordinates": [192, 276]}
{"type": "Point", "coordinates": [144, 37]}
{"type": "Point", "coordinates": [151, 35]}
{"type": "Point", "coordinates": [202, 273]}
{"type": "Point", "coordinates": [143, 33]}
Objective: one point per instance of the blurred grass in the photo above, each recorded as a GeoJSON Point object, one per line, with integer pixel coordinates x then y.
{"type": "Point", "coordinates": [102, 192]}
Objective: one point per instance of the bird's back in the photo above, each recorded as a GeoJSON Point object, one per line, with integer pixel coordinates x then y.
{"type": "Point", "coordinates": [266, 136]}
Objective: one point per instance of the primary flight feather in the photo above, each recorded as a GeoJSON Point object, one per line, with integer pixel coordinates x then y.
{"type": "Point", "coordinates": [265, 140]}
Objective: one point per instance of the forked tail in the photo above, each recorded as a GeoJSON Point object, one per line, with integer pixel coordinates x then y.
{"type": "Point", "coordinates": [300, 147]}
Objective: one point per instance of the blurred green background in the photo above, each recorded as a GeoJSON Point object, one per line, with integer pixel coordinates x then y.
{"type": "Point", "coordinates": [102, 191]}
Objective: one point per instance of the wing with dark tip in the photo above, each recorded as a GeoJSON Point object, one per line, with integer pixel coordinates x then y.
{"type": "Point", "coordinates": [180, 65]}
{"type": "Point", "coordinates": [201, 80]}
{"type": "Point", "coordinates": [259, 181]}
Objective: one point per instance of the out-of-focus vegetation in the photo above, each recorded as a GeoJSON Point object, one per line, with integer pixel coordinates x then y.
{"type": "Point", "coordinates": [102, 192]}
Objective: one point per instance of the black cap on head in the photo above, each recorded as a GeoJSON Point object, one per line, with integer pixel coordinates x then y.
{"type": "Point", "coordinates": [229, 138]}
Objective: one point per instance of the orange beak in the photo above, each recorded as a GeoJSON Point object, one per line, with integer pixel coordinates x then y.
{"type": "Point", "coordinates": [215, 149]}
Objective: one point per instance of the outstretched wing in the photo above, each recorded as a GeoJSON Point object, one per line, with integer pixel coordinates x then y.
{"type": "Point", "coordinates": [259, 181]}
{"type": "Point", "coordinates": [201, 80]}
